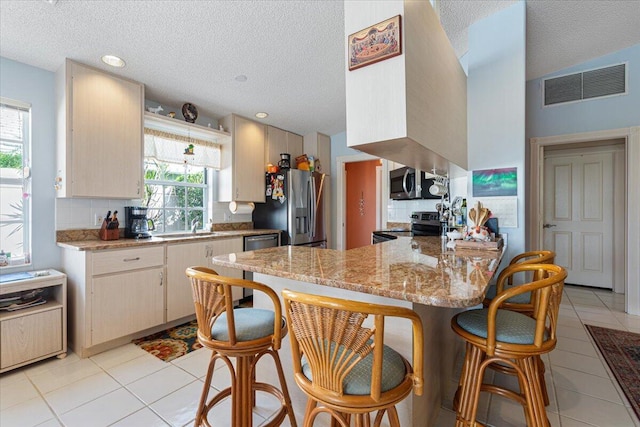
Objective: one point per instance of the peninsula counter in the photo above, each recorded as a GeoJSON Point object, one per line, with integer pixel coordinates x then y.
{"type": "Point", "coordinates": [420, 273]}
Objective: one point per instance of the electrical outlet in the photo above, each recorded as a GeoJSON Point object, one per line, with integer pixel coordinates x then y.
{"type": "Point", "coordinates": [98, 219]}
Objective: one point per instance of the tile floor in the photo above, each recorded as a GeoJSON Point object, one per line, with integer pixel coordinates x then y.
{"type": "Point", "coordinates": [128, 387]}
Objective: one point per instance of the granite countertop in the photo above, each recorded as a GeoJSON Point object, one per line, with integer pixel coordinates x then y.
{"type": "Point", "coordinates": [418, 269]}
{"type": "Point", "coordinates": [96, 245]}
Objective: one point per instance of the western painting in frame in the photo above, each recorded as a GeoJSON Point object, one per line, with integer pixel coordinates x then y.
{"type": "Point", "coordinates": [375, 43]}
{"type": "Point", "coordinates": [495, 182]}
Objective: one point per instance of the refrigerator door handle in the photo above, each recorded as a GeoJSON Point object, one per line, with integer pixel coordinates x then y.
{"type": "Point", "coordinates": [314, 205]}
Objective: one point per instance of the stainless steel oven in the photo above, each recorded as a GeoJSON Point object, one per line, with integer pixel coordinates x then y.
{"type": "Point", "coordinates": [425, 223]}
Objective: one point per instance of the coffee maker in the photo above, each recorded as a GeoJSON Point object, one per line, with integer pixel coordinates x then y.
{"type": "Point", "coordinates": [136, 223]}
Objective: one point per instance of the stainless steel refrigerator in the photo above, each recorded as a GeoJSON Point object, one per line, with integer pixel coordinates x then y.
{"type": "Point", "coordinates": [295, 205]}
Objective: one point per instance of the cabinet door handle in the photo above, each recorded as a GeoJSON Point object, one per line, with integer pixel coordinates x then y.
{"type": "Point", "coordinates": [161, 278]}
{"type": "Point", "coordinates": [131, 259]}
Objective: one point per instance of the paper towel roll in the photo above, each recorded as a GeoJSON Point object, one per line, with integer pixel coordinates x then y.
{"type": "Point", "coordinates": [241, 208]}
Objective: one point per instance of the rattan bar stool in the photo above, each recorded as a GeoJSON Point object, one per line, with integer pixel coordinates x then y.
{"type": "Point", "coordinates": [494, 335]}
{"type": "Point", "coordinates": [245, 334]}
{"type": "Point", "coordinates": [343, 366]}
{"type": "Point", "coordinates": [521, 303]}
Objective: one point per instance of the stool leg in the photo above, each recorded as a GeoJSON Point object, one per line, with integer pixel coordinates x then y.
{"type": "Point", "coordinates": [201, 413]}
{"type": "Point", "coordinates": [543, 382]}
{"type": "Point", "coordinates": [470, 393]}
{"type": "Point", "coordinates": [530, 386]}
{"type": "Point", "coordinates": [241, 398]}
{"type": "Point", "coordinates": [463, 372]}
{"type": "Point", "coordinates": [283, 388]}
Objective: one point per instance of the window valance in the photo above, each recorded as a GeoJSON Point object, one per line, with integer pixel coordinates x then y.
{"type": "Point", "coordinates": [170, 147]}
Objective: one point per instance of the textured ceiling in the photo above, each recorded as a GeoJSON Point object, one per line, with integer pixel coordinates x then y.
{"type": "Point", "coordinates": [290, 51]}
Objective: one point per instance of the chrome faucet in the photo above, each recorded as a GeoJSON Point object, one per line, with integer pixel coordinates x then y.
{"type": "Point", "coordinates": [194, 225]}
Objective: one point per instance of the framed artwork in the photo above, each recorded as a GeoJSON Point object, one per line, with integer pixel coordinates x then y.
{"type": "Point", "coordinates": [375, 43]}
{"type": "Point", "coordinates": [495, 182]}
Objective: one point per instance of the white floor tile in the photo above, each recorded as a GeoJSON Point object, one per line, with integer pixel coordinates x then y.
{"type": "Point", "coordinates": [144, 417]}
{"type": "Point", "coordinates": [591, 385]}
{"type": "Point", "coordinates": [179, 407]}
{"type": "Point", "coordinates": [588, 317]}
{"type": "Point", "coordinates": [196, 363]}
{"type": "Point", "coordinates": [51, 363]}
{"type": "Point", "coordinates": [17, 391]}
{"type": "Point", "coordinates": [62, 375]}
{"type": "Point", "coordinates": [104, 410]}
{"type": "Point", "coordinates": [592, 410]}
{"type": "Point", "coordinates": [13, 376]}
{"type": "Point", "coordinates": [578, 362]}
{"type": "Point", "coordinates": [118, 355]}
{"type": "Point", "coordinates": [50, 423]}
{"type": "Point", "coordinates": [132, 370]}
{"type": "Point", "coordinates": [26, 414]}
{"type": "Point", "coordinates": [570, 332]}
{"type": "Point", "coordinates": [576, 346]}
{"type": "Point", "coordinates": [160, 383]}
{"type": "Point", "coordinates": [80, 392]}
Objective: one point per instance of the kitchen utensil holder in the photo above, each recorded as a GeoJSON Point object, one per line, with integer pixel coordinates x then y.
{"type": "Point", "coordinates": [108, 234]}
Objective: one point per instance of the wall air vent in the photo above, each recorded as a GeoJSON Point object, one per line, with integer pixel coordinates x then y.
{"type": "Point", "coordinates": [586, 85]}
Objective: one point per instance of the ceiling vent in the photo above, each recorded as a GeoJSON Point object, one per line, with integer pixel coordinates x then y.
{"type": "Point", "coordinates": [591, 84]}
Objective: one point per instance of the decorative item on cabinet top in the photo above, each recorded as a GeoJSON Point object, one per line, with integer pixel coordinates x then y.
{"type": "Point", "coordinates": [190, 112]}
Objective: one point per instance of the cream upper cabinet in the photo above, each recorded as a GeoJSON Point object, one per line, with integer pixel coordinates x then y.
{"type": "Point", "coordinates": [241, 176]}
{"type": "Point", "coordinates": [282, 141]}
{"type": "Point", "coordinates": [294, 146]}
{"type": "Point", "coordinates": [276, 144]}
{"type": "Point", "coordinates": [100, 123]}
{"type": "Point", "coordinates": [318, 145]}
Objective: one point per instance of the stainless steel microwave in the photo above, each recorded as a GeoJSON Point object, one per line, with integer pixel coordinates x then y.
{"type": "Point", "coordinates": [408, 183]}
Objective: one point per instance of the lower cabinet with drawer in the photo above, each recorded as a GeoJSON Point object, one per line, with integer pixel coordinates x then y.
{"type": "Point", "coordinates": [113, 294]}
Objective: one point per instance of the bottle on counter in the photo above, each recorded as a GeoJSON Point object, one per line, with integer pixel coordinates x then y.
{"type": "Point", "coordinates": [463, 212]}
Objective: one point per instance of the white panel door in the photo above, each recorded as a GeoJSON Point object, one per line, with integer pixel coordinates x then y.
{"type": "Point", "coordinates": [578, 216]}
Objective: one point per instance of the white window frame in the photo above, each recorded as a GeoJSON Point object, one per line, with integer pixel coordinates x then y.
{"type": "Point", "coordinates": [23, 259]}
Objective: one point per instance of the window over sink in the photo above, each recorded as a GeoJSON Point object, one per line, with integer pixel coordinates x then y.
{"type": "Point", "coordinates": [178, 165]}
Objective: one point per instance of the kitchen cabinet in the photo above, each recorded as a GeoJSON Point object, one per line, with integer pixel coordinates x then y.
{"type": "Point", "coordinates": [318, 145]}
{"type": "Point", "coordinates": [35, 333]}
{"type": "Point", "coordinates": [112, 294]}
{"type": "Point", "coordinates": [180, 256]}
{"type": "Point", "coordinates": [282, 141]}
{"type": "Point", "coordinates": [100, 141]}
{"type": "Point", "coordinates": [242, 168]}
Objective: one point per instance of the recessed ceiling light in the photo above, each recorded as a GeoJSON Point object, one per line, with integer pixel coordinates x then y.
{"type": "Point", "coordinates": [241, 78]}
{"type": "Point", "coordinates": [51, 2]}
{"type": "Point", "coordinates": [262, 115]}
{"type": "Point", "coordinates": [113, 60]}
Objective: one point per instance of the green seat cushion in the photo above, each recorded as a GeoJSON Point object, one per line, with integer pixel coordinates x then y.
{"type": "Point", "coordinates": [511, 327]}
{"type": "Point", "coordinates": [358, 381]}
{"type": "Point", "coordinates": [523, 298]}
{"type": "Point", "coordinates": [251, 324]}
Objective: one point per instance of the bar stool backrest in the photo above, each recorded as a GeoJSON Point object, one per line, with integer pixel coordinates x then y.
{"type": "Point", "coordinates": [329, 332]}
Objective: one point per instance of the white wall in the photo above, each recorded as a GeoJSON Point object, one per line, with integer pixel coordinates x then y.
{"type": "Point", "coordinates": [496, 104]}
{"type": "Point", "coordinates": [592, 115]}
{"type": "Point", "coordinates": [36, 86]}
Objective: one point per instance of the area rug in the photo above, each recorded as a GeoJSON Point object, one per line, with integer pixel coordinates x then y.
{"type": "Point", "coordinates": [172, 343]}
{"type": "Point", "coordinates": [621, 350]}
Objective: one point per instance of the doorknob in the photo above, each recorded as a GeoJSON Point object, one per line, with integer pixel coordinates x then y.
{"type": "Point", "coordinates": [548, 225]}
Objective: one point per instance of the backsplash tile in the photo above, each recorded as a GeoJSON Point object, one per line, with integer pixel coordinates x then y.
{"type": "Point", "coordinates": [79, 214]}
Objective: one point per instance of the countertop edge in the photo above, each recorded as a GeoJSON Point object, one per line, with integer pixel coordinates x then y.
{"type": "Point", "coordinates": [96, 245]}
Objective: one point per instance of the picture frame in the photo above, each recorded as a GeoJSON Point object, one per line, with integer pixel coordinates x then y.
{"type": "Point", "coordinates": [375, 43]}
{"type": "Point", "coordinates": [495, 182]}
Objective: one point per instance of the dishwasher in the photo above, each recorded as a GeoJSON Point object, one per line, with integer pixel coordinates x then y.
{"type": "Point", "coordinates": [252, 243]}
